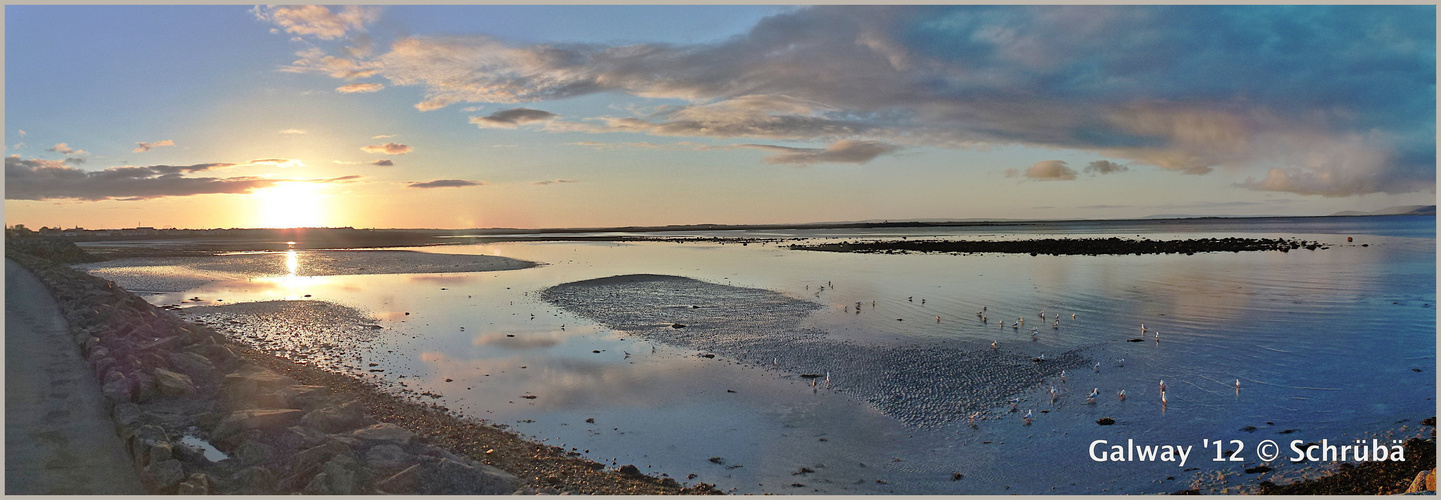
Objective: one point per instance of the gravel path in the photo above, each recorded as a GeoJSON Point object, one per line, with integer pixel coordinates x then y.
{"type": "Point", "coordinates": [58, 438]}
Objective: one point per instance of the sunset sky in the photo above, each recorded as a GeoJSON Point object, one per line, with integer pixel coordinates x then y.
{"type": "Point", "coordinates": [564, 116]}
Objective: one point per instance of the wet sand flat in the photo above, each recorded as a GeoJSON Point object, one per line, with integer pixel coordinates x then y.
{"type": "Point", "coordinates": [167, 274]}
{"type": "Point", "coordinates": [922, 385]}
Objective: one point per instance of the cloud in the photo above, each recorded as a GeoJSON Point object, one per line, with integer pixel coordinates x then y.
{"type": "Point", "coordinates": [445, 183]}
{"type": "Point", "coordinates": [1049, 170]}
{"type": "Point", "coordinates": [359, 88]}
{"type": "Point", "coordinates": [512, 118]}
{"type": "Point", "coordinates": [556, 181]}
{"type": "Point", "coordinates": [22, 132]}
{"type": "Point", "coordinates": [65, 149]}
{"type": "Point", "coordinates": [275, 162]}
{"type": "Point", "coordinates": [383, 163]}
{"type": "Point", "coordinates": [318, 21]}
{"type": "Point", "coordinates": [36, 179]}
{"type": "Point", "coordinates": [389, 148]}
{"type": "Point", "coordinates": [382, 137]}
{"type": "Point", "coordinates": [293, 131]}
{"type": "Point", "coordinates": [1191, 89]}
{"type": "Point", "coordinates": [74, 160]}
{"type": "Point", "coordinates": [1104, 167]}
{"type": "Point", "coordinates": [147, 146]}
{"type": "Point", "coordinates": [843, 151]}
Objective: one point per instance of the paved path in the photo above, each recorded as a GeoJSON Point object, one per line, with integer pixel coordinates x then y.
{"type": "Point", "coordinates": [58, 437]}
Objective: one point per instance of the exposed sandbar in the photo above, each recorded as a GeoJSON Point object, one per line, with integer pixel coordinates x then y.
{"type": "Point", "coordinates": [921, 385]}
{"type": "Point", "coordinates": [136, 271]}
{"type": "Point", "coordinates": [1068, 246]}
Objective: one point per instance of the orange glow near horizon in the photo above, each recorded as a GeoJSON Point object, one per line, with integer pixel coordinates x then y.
{"type": "Point", "coordinates": [290, 204]}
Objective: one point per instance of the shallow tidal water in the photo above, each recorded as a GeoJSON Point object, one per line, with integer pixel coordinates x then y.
{"type": "Point", "coordinates": [1325, 344]}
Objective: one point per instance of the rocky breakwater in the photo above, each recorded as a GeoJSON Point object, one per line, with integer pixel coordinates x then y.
{"type": "Point", "coordinates": [175, 388]}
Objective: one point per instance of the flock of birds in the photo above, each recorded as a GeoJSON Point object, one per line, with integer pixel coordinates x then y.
{"type": "Point", "coordinates": [1020, 322]}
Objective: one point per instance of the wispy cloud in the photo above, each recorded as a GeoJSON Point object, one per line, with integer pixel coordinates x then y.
{"type": "Point", "coordinates": [36, 179]}
{"type": "Point", "coordinates": [382, 137]}
{"type": "Point", "coordinates": [355, 88]}
{"type": "Point", "coordinates": [1183, 88]}
{"type": "Point", "coordinates": [147, 146]}
{"type": "Point", "coordinates": [556, 181]}
{"type": "Point", "coordinates": [445, 183]}
{"type": "Point", "coordinates": [843, 151]}
{"type": "Point", "coordinates": [383, 163]}
{"type": "Point", "coordinates": [389, 148]}
{"type": "Point", "coordinates": [65, 149]}
{"type": "Point", "coordinates": [318, 21]}
{"type": "Point", "coordinates": [1104, 167]}
{"type": "Point", "coordinates": [293, 131]}
{"type": "Point", "coordinates": [1049, 170]}
{"type": "Point", "coordinates": [512, 118]}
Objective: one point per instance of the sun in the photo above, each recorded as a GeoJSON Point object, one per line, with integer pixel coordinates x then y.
{"type": "Point", "coordinates": [290, 204]}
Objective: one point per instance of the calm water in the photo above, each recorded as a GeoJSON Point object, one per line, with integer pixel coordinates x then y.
{"type": "Point", "coordinates": [1324, 342]}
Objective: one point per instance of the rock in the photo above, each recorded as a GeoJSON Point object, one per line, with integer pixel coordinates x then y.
{"type": "Point", "coordinates": [1106, 421]}
{"type": "Point", "coordinates": [630, 470]}
{"type": "Point", "coordinates": [120, 390]}
{"type": "Point", "coordinates": [255, 480]}
{"type": "Point", "coordinates": [253, 452]}
{"type": "Point", "coordinates": [250, 381]}
{"type": "Point", "coordinates": [339, 418]}
{"type": "Point", "coordinates": [244, 420]}
{"type": "Point", "coordinates": [160, 452]}
{"type": "Point", "coordinates": [313, 457]}
{"type": "Point", "coordinates": [166, 474]}
{"type": "Point", "coordinates": [388, 458]}
{"type": "Point", "coordinates": [305, 397]}
{"type": "Point", "coordinates": [342, 475]}
{"type": "Point", "coordinates": [198, 484]}
{"type": "Point", "coordinates": [402, 483]}
{"type": "Point", "coordinates": [448, 477]}
{"type": "Point", "coordinates": [173, 384]}
{"type": "Point", "coordinates": [318, 485]}
{"type": "Point", "coordinates": [299, 437]}
{"type": "Point", "coordinates": [384, 433]}
{"type": "Point", "coordinates": [198, 367]}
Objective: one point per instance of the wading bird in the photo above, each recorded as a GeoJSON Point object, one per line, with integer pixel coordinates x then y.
{"type": "Point", "coordinates": [1028, 417]}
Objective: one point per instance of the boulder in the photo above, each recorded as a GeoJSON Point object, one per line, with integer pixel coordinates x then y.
{"type": "Point", "coordinates": [448, 477]}
{"type": "Point", "coordinates": [120, 390]}
{"type": "Point", "coordinates": [243, 420]}
{"type": "Point", "coordinates": [250, 381]}
{"type": "Point", "coordinates": [173, 384]}
{"type": "Point", "coordinates": [198, 367]}
{"type": "Point", "coordinates": [388, 458]}
{"type": "Point", "coordinates": [197, 484]}
{"type": "Point", "coordinates": [255, 480]}
{"type": "Point", "coordinates": [402, 483]}
{"type": "Point", "coordinates": [338, 418]}
{"type": "Point", "coordinates": [165, 474]}
{"type": "Point", "coordinates": [384, 433]}
{"type": "Point", "coordinates": [253, 452]}
{"type": "Point", "coordinates": [320, 454]}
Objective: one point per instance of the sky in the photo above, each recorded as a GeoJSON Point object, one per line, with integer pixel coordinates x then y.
{"type": "Point", "coordinates": [599, 116]}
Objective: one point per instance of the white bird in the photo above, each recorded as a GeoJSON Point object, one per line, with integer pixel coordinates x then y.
{"type": "Point", "coordinates": [973, 418]}
{"type": "Point", "coordinates": [1238, 386]}
{"type": "Point", "coordinates": [1163, 399]}
{"type": "Point", "coordinates": [1097, 367]}
{"type": "Point", "coordinates": [1120, 361]}
{"type": "Point", "coordinates": [1043, 315]}
{"type": "Point", "coordinates": [1163, 386]}
{"type": "Point", "coordinates": [1122, 395]}
{"type": "Point", "coordinates": [1143, 328]}
{"type": "Point", "coordinates": [1014, 401]}
{"type": "Point", "coordinates": [993, 345]}
{"type": "Point", "coordinates": [1073, 315]}
{"type": "Point", "coordinates": [983, 308]}
{"type": "Point", "coordinates": [1028, 417]}
{"type": "Point", "coordinates": [776, 361]}
{"type": "Point", "coordinates": [1063, 376]}
{"type": "Point", "coordinates": [1057, 325]}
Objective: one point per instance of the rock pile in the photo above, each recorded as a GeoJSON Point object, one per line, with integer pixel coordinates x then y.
{"type": "Point", "coordinates": [170, 384]}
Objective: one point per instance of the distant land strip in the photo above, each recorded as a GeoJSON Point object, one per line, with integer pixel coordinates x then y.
{"type": "Point", "coordinates": [1068, 246]}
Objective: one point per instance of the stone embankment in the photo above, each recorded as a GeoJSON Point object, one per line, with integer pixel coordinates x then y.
{"type": "Point", "coordinates": [173, 386]}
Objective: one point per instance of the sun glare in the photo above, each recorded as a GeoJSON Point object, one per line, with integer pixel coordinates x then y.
{"type": "Point", "coordinates": [290, 204]}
